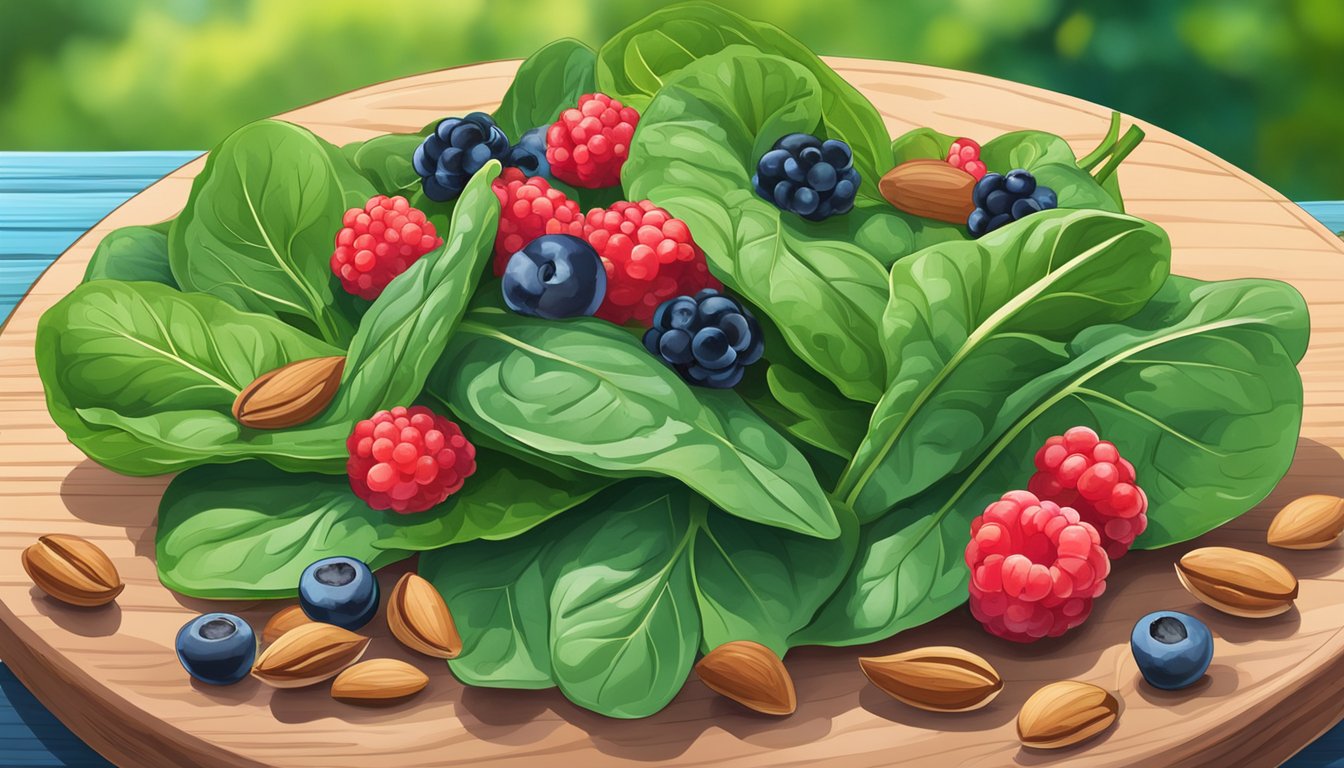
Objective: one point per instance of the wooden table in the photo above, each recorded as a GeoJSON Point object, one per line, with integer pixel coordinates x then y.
{"type": "Point", "coordinates": [1273, 687]}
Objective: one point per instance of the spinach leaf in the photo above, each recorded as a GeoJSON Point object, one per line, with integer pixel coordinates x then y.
{"type": "Point", "coordinates": [246, 531]}
{"type": "Point", "coordinates": [258, 228]}
{"type": "Point", "coordinates": [969, 323]}
{"type": "Point", "coordinates": [824, 419]}
{"type": "Point", "coordinates": [1052, 162]}
{"type": "Point", "coordinates": [385, 162]}
{"type": "Point", "coordinates": [133, 253]}
{"type": "Point", "coordinates": [587, 393]}
{"type": "Point", "coordinates": [642, 58]}
{"type": "Point", "coordinates": [548, 82]}
{"type": "Point", "coordinates": [921, 144]}
{"type": "Point", "coordinates": [1199, 390]}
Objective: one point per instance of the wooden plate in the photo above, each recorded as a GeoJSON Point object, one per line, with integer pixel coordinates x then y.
{"type": "Point", "coordinates": [111, 674]}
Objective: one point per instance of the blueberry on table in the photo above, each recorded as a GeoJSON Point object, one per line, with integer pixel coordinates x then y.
{"type": "Point", "coordinates": [1173, 649]}
{"type": "Point", "coordinates": [456, 149]}
{"type": "Point", "coordinates": [340, 591]}
{"type": "Point", "coordinates": [707, 339]}
{"type": "Point", "coordinates": [804, 175]}
{"type": "Point", "coordinates": [555, 276]}
{"type": "Point", "coordinates": [529, 154]}
{"type": "Point", "coordinates": [217, 648]}
{"type": "Point", "coordinates": [1001, 199]}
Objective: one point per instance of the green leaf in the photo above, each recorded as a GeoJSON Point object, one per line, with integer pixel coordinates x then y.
{"type": "Point", "coordinates": [259, 226]}
{"type": "Point", "coordinates": [921, 144]}
{"type": "Point", "coordinates": [1199, 390]}
{"type": "Point", "coordinates": [824, 419]}
{"type": "Point", "coordinates": [133, 253]}
{"type": "Point", "coordinates": [969, 323]}
{"type": "Point", "coordinates": [385, 162]}
{"type": "Point", "coordinates": [548, 82]}
{"type": "Point", "coordinates": [587, 393]}
{"type": "Point", "coordinates": [1052, 162]}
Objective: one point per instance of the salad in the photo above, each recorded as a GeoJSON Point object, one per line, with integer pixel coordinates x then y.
{"type": "Point", "coordinates": [773, 413]}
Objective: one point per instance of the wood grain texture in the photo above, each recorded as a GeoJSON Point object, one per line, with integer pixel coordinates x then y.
{"type": "Point", "coordinates": [111, 674]}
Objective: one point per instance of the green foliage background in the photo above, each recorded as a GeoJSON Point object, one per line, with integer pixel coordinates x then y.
{"type": "Point", "coordinates": [1256, 81]}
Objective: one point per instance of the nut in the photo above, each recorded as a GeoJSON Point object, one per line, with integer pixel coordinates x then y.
{"type": "Point", "coordinates": [930, 188]}
{"type": "Point", "coordinates": [1065, 713]}
{"type": "Point", "coordinates": [378, 681]}
{"type": "Point", "coordinates": [939, 678]}
{"type": "Point", "coordinates": [289, 395]}
{"type": "Point", "coordinates": [1311, 522]}
{"type": "Point", "coordinates": [1238, 582]}
{"type": "Point", "coordinates": [284, 620]}
{"type": "Point", "coordinates": [750, 674]}
{"type": "Point", "coordinates": [308, 654]}
{"type": "Point", "coordinates": [419, 618]}
{"type": "Point", "coordinates": [72, 570]}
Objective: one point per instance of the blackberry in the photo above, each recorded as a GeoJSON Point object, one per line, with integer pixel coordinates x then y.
{"type": "Point", "coordinates": [457, 148]}
{"type": "Point", "coordinates": [708, 339]}
{"type": "Point", "coordinates": [1004, 198]}
{"type": "Point", "coordinates": [807, 176]}
{"type": "Point", "coordinates": [529, 154]}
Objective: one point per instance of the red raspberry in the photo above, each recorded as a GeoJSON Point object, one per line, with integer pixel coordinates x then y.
{"type": "Point", "coordinates": [1080, 470]}
{"type": "Point", "coordinates": [378, 242]}
{"type": "Point", "coordinates": [1035, 568]}
{"type": "Point", "coordinates": [965, 154]}
{"type": "Point", "coordinates": [408, 459]}
{"type": "Point", "coordinates": [530, 208]}
{"type": "Point", "coordinates": [649, 256]}
{"type": "Point", "coordinates": [588, 145]}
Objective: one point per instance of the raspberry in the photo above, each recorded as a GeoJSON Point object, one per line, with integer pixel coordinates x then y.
{"type": "Point", "coordinates": [408, 459]}
{"type": "Point", "coordinates": [1080, 470]}
{"type": "Point", "coordinates": [530, 208]}
{"type": "Point", "coordinates": [378, 242]}
{"type": "Point", "coordinates": [1035, 568]}
{"type": "Point", "coordinates": [588, 145]}
{"type": "Point", "coordinates": [965, 154]}
{"type": "Point", "coordinates": [649, 257]}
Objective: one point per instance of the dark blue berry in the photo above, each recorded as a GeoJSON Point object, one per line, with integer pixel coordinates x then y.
{"type": "Point", "coordinates": [1046, 197]}
{"type": "Point", "coordinates": [990, 182]}
{"type": "Point", "coordinates": [1018, 183]}
{"type": "Point", "coordinates": [529, 154]}
{"type": "Point", "coordinates": [457, 149]}
{"type": "Point", "coordinates": [1001, 200]}
{"type": "Point", "coordinates": [711, 349]}
{"type": "Point", "coordinates": [340, 591]}
{"type": "Point", "coordinates": [998, 201]}
{"type": "Point", "coordinates": [802, 174]}
{"type": "Point", "coordinates": [1173, 649]}
{"type": "Point", "coordinates": [676, 313]}
{"type": "Point", "coordinates": [675, 347]}
{"type": "Point", "coordinates": [738, 332]}
{"type": "Point", "coordinates": [708, 338]}
{"type": "Point", "coordinates": [1024, 207]}
{"type": "Point", "coordinates": [555, 276]}
{"type": "Point", "coordinates": [217, 648]}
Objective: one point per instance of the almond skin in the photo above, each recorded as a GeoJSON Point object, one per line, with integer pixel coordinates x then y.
{"type": "Point", "coordinates": [72, 570]}
{"type": "Point", "coordinates": [289, 395]}
{"type": "Point", "coordinates": [284, 620]}
{"type": "Point", "coordinates": [939, 678]}
{"type": "Point", "coordinates": [1065, 713]}
{"type": "Point", "coordinates": [1311, 522]}
{"type": "Point", "coordinates": [932, 189]}
{"type": "Point", "coordinates": [308, 654]}
{"type": "Point", "coordinates": [419, 618]}
{"type": "Point", "coordinates": [750, 674]}
{"type": "Point", "coordinates": [1237, 582]}
{"type": "Point", "coordinates": [378, 681]}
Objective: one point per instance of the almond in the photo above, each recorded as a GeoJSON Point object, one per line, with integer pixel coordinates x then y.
{"type": "Point", "coordinates": [378, 681]}
{"type": "Point", "coordinates": [308, 654]}
{"type": "Point", "coordinates": [938, 678]}
{"type": "Point", "coordinates": [1238, 582]}
{"type": "Point", "coordinates": [930, 188]}
{"type": "Point", "coordinates": [284, 620]}
{"type": "Point", "coordinates": [289, 395]}
{"type": "Point", "coordinates": [750, 674]}
{"type": "Point", "coordinates": [419, 618]}
{"type": "Point", "coordinates": [1065, 713]}
{"type": "Point", "coordinates": [1311, 522]}
{"type": "Point", "coordinates": [72, 570]}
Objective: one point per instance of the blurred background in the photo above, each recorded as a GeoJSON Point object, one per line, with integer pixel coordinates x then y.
{"type": "Point", "coordinates": [1260, 82]}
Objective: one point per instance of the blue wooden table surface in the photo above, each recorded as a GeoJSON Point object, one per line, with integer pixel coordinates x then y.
{"type": "Point", "coordinates": [49, 199]}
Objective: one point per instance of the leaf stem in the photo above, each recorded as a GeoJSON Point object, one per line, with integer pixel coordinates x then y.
{"type": "Point", "coordinates": [1090, 161]}
{"type": "Point", "coordinates": [1122, 149]}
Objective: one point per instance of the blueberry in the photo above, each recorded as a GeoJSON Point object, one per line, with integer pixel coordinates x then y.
{"type": "Point", "coordinates": [217, 648]}
{"type": "Point", "coordinates": [810, 156]}
{"type": "Point", "coordinates": [1173, 649]}
{"type": "Point", "coordinates": [846, 188]}
{"type": "Point", "coordinates": [725, 378]}
{"type": "Point", "coordinates": [805, 201]}
{"type": "Point", "coordinates": [999, 221]}
{"type": "Point", "coordinates": [783, 194]}
{"type": "Point", "coordinates": [990, 182]}
{"type": "Point", "coordinates": [714, 340]}
{"type": "Point", "coordinates": [555, 276]}
{"type": "Point", "coordinates": [822, 177]}
{"type": "Point", "coordinates": [711, 309]}
{"type": "Point", "coordinates": [734, 326]}
{"type": "Point", "coordinates": [802, 174]}
{"type": "Point", "coordinates": [1019, 183]}
{"type": "Point", "coordinates": [772, 162]}
{"type": "Point", "coordinates": [456, 149]}
{"type": "Point", "coordinates": [1024, 207]}
{"type": "Point", "coordinates": [1046, 197]}
{"type": "Point", "coordinates": [676, 313]}
{"type": "Point", "coordinates": [794, 143]}
{"type": "Point", "coordinates": [529, 154]}
{"type": "Point", "coordinates": [977, 222]}
{"type": "Point", "coordinates": [675, 347]}
{"type": "Point", "coordinates": [340, 591]}
{"type": "Point", "coordinates": [998, 201]}
{"type": "Point", "coordinates": [651, 339]}
{"type": "Point", "coordinates": [711, 349]}
{"type": "Point", "coordinates": [793, 170]}
{"type": "Point", "coordinates": [838, 154]}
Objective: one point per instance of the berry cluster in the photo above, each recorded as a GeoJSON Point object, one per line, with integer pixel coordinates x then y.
{"type": "Point", "coordinates": [588, 145]}
{"type": "Point", "coordinates": [378, 242]}
{"type": "Point", "coordinates": [708, 338]}
{"type": "Point", "coordinates": [1078, 469]}
{"type": "Point", "coordinates": [1003, 199]}
{"type": "Point", "coordinates": [965, 154]}
{"type": "Point", "coordinates": [530, 208]}
{"type": "Point", "coordinates": [804, 175]}
{"type": "Point", "coordinates": [457, 149]}
{"type": "Point", "coordinates": [408, 459]}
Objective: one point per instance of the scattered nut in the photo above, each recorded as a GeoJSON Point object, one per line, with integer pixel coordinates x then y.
{"type": "Point", "coordinates": [1065, 713]}
{"type": "Point", "coordinates": [378, 681]}
{"type": "Point", "coordinates": [1311, 522]}
{"type": "Point", "coordinates": [308, 654]}
{"type": "Point", "coordinates": [750, 674]}
{"type": "Point", "coordinates": [1238, 582]}
{"type": "Point", "coordinates": [419, 618]}
{"type": "Point", "coordinates": [933, 189]}
{"type": "Point", "coordinates": [72, 570]}
{"type": "Point", "coordinates": [937, 678]}
{"type": "Point", "coordinates": [289, 395]}
{"type": "Point", "coordinates": [284, 620]}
